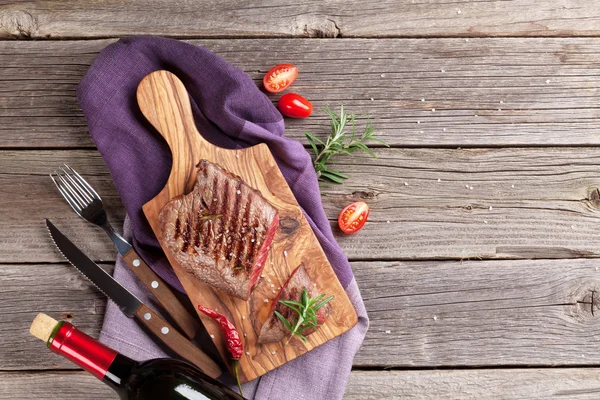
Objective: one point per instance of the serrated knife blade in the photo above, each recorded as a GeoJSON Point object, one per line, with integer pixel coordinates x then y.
{"type": "Point", "coordinates": [132, 306]}
{"type": "Point", "coordinates": [126, 301]}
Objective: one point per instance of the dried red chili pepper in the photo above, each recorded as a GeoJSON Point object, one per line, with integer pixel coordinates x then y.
{"type": "Point", "coordinates": [234, 343]}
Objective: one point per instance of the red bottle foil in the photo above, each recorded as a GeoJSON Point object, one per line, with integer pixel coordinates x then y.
{"type": "Point", "coordinates": [83, 350]}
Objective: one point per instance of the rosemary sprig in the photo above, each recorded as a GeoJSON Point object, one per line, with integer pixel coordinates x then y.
{"type": "Point", "coordinates": [210, 217]}
{"type": "Point", "coordinates": [306, 313]}
{"type": "Point", "coordinates": [339, 141]}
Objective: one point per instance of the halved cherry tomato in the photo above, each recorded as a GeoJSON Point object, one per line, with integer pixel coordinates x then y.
{"type": "Point", "coordinates": [280, 77]}
{"type": "Point", "coordinates": [353, 217]}
{"type": "Point", "coordinates": [294, 106]}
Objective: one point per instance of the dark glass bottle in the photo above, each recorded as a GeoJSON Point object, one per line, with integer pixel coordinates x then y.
{"type": "Point", "coordinates": [158, 379]}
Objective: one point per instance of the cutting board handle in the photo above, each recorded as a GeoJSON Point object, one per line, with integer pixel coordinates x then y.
{"type": "Point", "coordinates": [165, 102]}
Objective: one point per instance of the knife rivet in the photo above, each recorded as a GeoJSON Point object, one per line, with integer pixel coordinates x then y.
{"type": "Point", "coordinates": [164, 330]}
{"type": "Point", "coordinates": [147, 316]}
{"type": "Point", "coordinates": [136, 263]}
{"type": "Point", "coordinates": [154, 284]}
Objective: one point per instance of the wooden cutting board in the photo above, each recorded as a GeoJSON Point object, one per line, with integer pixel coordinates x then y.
{"type": "Point", "coordinates": [165, 102]}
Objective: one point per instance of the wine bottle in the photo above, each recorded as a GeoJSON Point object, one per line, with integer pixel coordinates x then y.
{"type": "Point", "coordinates": [158, 379]}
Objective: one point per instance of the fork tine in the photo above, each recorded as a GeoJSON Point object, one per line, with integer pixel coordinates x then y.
{"type": "Point", "coordinates": [81, 202]}
{"type": "Point", "coordinates": [87, 186]}
{"type": "Point", "coordinates": [77, 188]}
{"type": "Point", "coordinates": [66, 195]}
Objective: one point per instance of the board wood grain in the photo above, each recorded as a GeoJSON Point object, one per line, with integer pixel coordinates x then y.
{"type": "Point", "coordinates": [487, 384]}
{"type": "Point", "coordinates": [165, 103]}
{"type": "Point", "coordinates": [46, 19]}
{"type": "Point", "coordinates": [552, 210]}
{"type": "Point", "coordinates": [492, 92]}
{"type": "Point", "coordinates": [423, 314]}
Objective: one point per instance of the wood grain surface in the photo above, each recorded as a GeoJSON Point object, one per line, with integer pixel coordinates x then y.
{"type": "Point", "coordinates": [164, 101]}
{"type": "Point", "coordinates": [423, 314]}
{"type": "Point", "coordinates": [47, 19]}
{"type": "Point", "coordinates": [485, 92]}
{"type": "Point", "coordinates": [493, 384]}
{"type": "Point", "coordinates": [513, 98]}
{"type": "Point", "coordinates": [552, 210]}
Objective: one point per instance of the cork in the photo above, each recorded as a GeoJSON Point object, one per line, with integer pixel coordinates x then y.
{"type": "Point", "coordinates": [42, 327]}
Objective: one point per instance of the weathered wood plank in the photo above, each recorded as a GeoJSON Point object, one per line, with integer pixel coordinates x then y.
{"type": "Point", "coordinates": [544, 203]}
{"type": "Point", "coordinates": [532, 384]}
{"type": "Point", "coordinates": [45, 19]}
{"type": "Point", "coordinates": [75, 385]}
{"type": "Point", "coordinates": [485, 92]}
{"type": "Point", "coordinates": [57, 290]}
{"type": "Point", "coordinates": [423, 314]}
{"type": "Point", "coordinates": [480, 313]}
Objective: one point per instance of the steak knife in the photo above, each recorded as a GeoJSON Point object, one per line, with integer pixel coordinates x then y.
{"type": "Point", "coordinates": [131, 306]}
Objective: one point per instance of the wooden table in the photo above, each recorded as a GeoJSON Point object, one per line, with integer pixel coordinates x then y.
{"type": "Point", "coordinates": [479, 266]}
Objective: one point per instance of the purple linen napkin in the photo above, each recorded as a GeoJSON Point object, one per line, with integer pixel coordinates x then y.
{"type": "Point", "coordinates": [231, 112]}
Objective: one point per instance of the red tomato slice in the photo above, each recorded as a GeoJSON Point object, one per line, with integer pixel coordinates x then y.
{"type": "Point", "coordinates": [280, 77]}
{"type": "Point", "coordinates": [353, 217]}
{"type": "Point", "coordinates": [294, 106]}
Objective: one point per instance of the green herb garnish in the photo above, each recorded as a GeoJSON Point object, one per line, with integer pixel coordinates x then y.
{"type": "Point", "coordinates": [339, 142]}
{"type": "Point", "coordinates": [210, 217]}
{"type": "Point", "coordinates": [306, 313]}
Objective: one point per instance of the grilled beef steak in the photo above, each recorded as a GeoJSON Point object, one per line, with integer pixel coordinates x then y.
{"type": "Point", "coordinates": [221, 231]}
{"type": "Point", "coordinates": [273, 330]}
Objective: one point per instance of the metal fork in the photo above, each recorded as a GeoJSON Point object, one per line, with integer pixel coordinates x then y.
{"type": "Point", "coordinates": [88, 205]}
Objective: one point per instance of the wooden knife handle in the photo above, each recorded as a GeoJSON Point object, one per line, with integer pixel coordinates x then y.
{"type": "Point", "coordinates": [176, 342]}
{"type": "Point", "coordinates": [188, 323]}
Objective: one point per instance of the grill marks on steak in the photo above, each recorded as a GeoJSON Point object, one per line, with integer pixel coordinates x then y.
{"type": "Point", "coordinates": [221, 231]}
{"type": "Point", "coordinates": [273, 330]}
